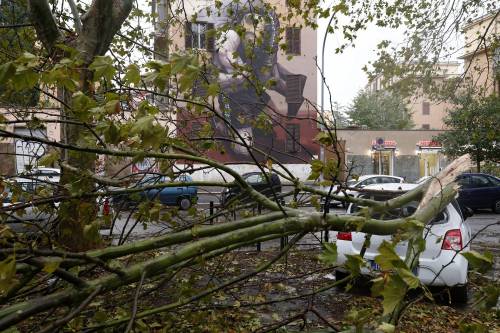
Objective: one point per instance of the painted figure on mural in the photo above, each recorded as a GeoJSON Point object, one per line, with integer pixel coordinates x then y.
{"type": "Point", "coordinates": [253, 55]}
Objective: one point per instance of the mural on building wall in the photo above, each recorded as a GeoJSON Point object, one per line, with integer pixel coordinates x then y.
{"type": "Point", "coordinates": [246, 62]}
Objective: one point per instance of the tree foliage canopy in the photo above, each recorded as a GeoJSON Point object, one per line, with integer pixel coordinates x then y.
{"type": "Point", "coordinates": [473, 128]}
{"type": "Point", "coordinates": [380, 110]}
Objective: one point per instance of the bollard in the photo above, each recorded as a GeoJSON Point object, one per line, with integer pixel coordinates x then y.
{"type": "Point", "coordinates": [327, 210]}
{"type": "Point", "coordinates": [211, 212]}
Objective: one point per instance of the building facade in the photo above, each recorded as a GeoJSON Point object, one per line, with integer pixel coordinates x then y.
{"type": "Point", "coordinates": [406, 153]}
{"type": "Point", "coordinates": [272, 108]}
{"type": "Point", "coordinates": [482, 53]}
{"type": "Point", "coordinates": [426, 112]}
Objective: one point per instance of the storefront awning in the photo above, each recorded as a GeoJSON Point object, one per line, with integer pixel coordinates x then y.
{"type": "Point", "coordinates": [386, 144]}
{"type": "Point", "coordinates": [428, 144]}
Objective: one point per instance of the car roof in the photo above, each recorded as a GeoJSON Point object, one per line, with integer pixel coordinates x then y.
{"type": "Point", "coordinates": [476, 174]}
{"type": "Point", "coordinates": [44, 169]}
{"type": "Point", "coordinates": [361, 178]}
{"type": "Point", "coordinates": [391, 187]}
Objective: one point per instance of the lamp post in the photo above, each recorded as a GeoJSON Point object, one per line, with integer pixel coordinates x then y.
{"type": "Point", "coordinates": [322, 127]}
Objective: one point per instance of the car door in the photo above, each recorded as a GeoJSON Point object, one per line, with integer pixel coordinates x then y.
{"type": "Point", "coordinates": [482, 192]}
{"type": "Point", "coordinates": [464, 191]}
{"type": "Point", "coordinates": [255, 180]}
{"type": "Point", "coordinates": [169, 195]}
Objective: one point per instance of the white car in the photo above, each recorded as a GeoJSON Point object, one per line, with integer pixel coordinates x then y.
{"type": "Point", "coordinates": [439, 264]}
{"type": "Point", "coordinates": [20, 220]}
{"type": "Point", "coordinates": [50, 175]}
{"type": "Point", "coordinates": [364, 181]}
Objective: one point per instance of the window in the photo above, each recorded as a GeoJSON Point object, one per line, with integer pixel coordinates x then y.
{"type": "Point", "coordinates": [426, 126]}
{"type": "Point", "coordinates": [426, 108]}
{"type": "Point", "coordinates": [479, 181]}
{"type": "Point", "coordinates": [195, 130]}
{"type": "Point", "coordinates": [292, 138]}
{"type": "Point", "coordinates": [199, 35]}
{"type": "Point", "coordinates": [293, 40]}
{"type": "Point", "coordinates": [494, 181]}
{"type": "Point", "coordinates": [464, 181]}
{"type": "Point", "coordinates": [254, 178]}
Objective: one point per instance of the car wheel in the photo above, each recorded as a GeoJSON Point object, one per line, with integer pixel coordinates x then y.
{"type": "Point", "coordinates": [459, 294]}
{"type": "Point", "coordinates": [185, 203]}
{"type": "Point", "coordinates": [496, 209]}
{"type": "Point", "coordinates": [339, 275]}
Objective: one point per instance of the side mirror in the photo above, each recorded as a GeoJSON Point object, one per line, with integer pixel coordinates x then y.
{"type": "Point", "coordinates": [467, 212]}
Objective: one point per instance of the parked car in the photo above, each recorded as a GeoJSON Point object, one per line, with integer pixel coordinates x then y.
{"type": "Point", "coordinates": [51, 175]}
{"type": "Point", "coordinates": [479, 191]}
{"type": "Point", "coordinates": [423, 179]}
{"type": "Point", "coordinates": [182, 196]}
{"type": "Point", "coordinates": [362, 182]}
{"type": "Point", "coordinates": [256, 180]}
{"type": "Point", "coordinates": [22, 190]}
{"type": "Point", "coordinates": [438, 263]}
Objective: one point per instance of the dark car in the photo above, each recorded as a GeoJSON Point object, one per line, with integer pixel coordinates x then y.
{"type": "Point", "coordinates": [182, 196]}
{"type": "Point", "coordinates": [479, 191]}
{"type": "Point", "coordinates": [258, 181]}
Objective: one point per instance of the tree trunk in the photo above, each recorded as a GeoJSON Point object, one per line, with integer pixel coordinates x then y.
{"type": "Point", "coordinates": [100, 24]}
{"type": "Point", "coordinates": [77, 229]}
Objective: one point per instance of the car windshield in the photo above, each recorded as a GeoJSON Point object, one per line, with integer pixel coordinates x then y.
{"type": "Point", "coordinates": [157, 179]}
{"type": "Point", "coordinates": [351, 183]}
{"type": "Point", "coordinates": [400, 212]}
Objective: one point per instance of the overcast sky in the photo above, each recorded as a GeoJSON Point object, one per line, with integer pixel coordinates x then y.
{"type": "Point", "coordinates": [344, 72]}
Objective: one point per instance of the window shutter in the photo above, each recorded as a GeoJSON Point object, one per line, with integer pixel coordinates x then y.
{"type": "Point", "coordinates": [426, 108]}
{"type": "Point", "coordinates": [289, 38]}
{"type": "Point", "coordinates": [210, 36]}
{"type": "Point", "coordinates": [188, 36]}
{"type": "Point", "coordinates": [292, 144]}
{"type": "Point", "coordinates": [296, 41]}
{"type": "Point", "coordinates": [294, 88]}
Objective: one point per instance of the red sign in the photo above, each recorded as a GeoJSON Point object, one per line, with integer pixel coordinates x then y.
{"type": "Point", "coordinates": [429, 144]}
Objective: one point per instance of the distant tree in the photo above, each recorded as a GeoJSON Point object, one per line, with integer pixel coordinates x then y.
{"type": "Point", "coordinates": [474, 128]}
{"type": "Point", "coordinates": [380, 110]}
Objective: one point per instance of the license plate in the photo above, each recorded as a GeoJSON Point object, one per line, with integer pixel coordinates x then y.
{"type": "Point", "coordinates": [374, 265]}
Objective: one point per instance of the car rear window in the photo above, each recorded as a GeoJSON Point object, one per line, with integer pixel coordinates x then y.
{"type": "Point", "coordinates": [400, 212]}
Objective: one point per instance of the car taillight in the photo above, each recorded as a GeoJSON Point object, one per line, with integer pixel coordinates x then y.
{"type": "Point", "coordinates": [106, 208]}
{"type": "Point", "coordinates": [347, 236]}
{"type": "Point", "coordinates": [452, 240]}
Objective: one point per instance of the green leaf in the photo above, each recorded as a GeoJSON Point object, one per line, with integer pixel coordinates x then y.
{"type": "Point", "coordinates": [49, 159]}
{"type": "Point", "coordinates": [133, 75]}
{"type": "Point", "coordinates": [409, 278]}
{"type": "Point", "coordinates": [388, 258]}
{"type": "Point", "coordinates": [354, 264]}
{"type": "Point", "coordinates": [51, 265]}
{"type": "Point", "coordinates": [324, 138]}
{"type": "Point", "coordinates": [479, 262]}
{"type": "Point", "coordinates": [103, 68]}
{"type": "Point", "coordinates": [7, 70]}
{"type": "Point", "coordinates": [329, 254]}
{"type": "Point", "coordinates": [473, 328]}
{"type": "Point", "coordinates": [213, 89]}
{"type": "Point", "coordinates": [143, 124]}
{"type": "Point", "coordinates": [316, 169]}
{"type": "Point", "coordinates": [393, 293]}
{"type": "Point", "coordinates": [7, 273]}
